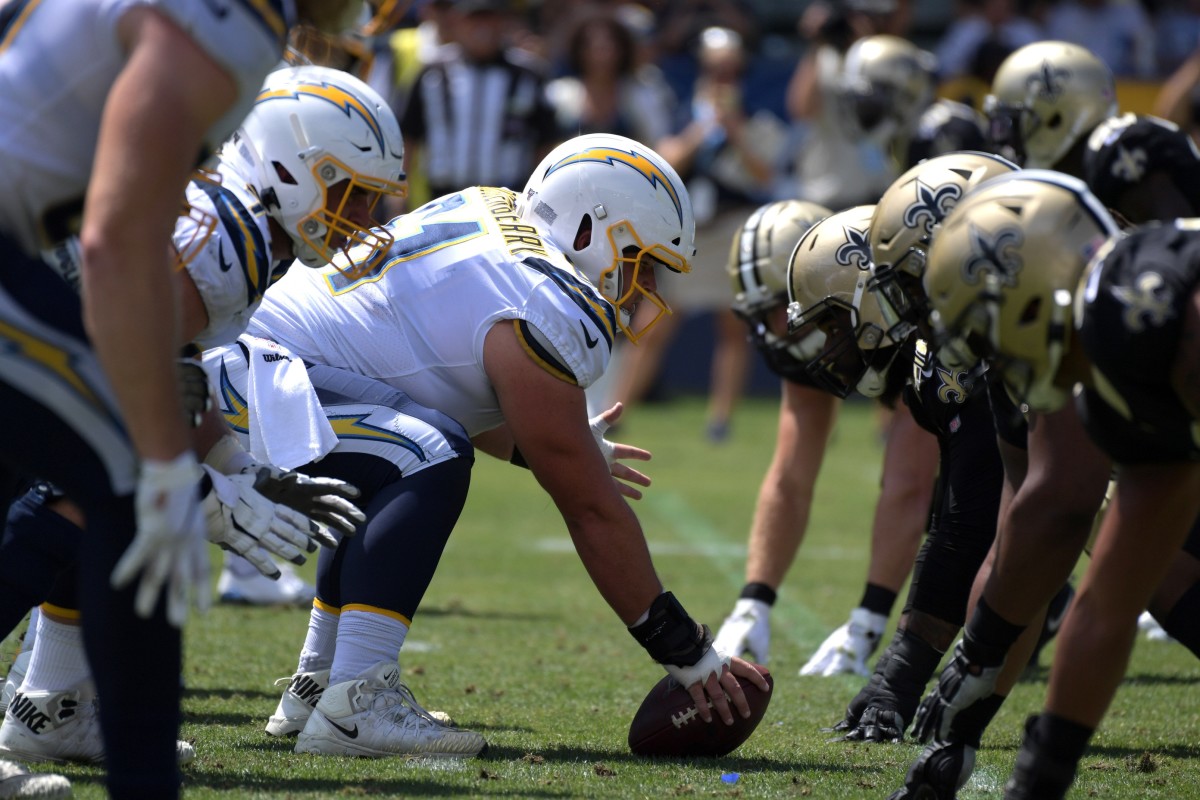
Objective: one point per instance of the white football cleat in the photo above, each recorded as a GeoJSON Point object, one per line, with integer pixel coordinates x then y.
{"type": "Point", "coordinates": [747, 629]}
{"type": "Point", "coordinates": [18, 782]}
{"type": "Point", "coordinates": [376, 716]}
{"type": "Point", "coordinates": [61, 727]}
{"type": "Point", "coordinates": [299, 699]}
{"type": "Point", "coordinates": [1148, 625]}
{"type": "Point", "coordinates": [16, 676]}
{"type": "Point", "coordinates": [256, 589]}
{"type": "Point", "coordinates": [846, 650]}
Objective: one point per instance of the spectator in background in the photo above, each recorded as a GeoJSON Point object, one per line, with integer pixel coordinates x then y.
{"type": "Point", "coordinates": [981, 31]}
{"type": "Point", "coordinates": [603, 91]}
{"type": "Point", "coordinates": [728, 159]}
{"type": "Point", "coordinates": [1117, 31]}
{"type": "Point", "coordinates": [477, 114]}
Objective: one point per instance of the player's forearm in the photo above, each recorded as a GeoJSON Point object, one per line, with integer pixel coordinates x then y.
{"type": "Point", "coordinates": [131, 321]}
{"type": "Point", "coordinates": [614, 553]}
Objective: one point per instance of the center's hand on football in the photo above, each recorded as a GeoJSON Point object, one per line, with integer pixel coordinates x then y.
{"type": "Point", "coordinates": [720, 686]}
{"type": "Point", "coordinates": [616, 452]}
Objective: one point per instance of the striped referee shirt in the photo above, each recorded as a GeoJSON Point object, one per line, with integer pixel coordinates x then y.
{"type": "Point", "coordinates": [481, 124]}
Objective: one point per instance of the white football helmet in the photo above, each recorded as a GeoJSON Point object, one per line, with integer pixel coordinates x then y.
{"type": "Point", "coordinates": [1002, 274]}
{"type": "Point", "coordinates": [905, 219]}
{"type": "Point", "coordinates": [757, 267]}
{"type": "Point", "coordinates": [607, 201]}
{"type": "Point", "coordinates": [311, 129]}
{"type": "Point", "coordinates": [836, 323]}
{"type": "Point", "coordinates": [1045, 97]}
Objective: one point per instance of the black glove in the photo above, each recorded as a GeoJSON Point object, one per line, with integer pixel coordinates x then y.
{"type": "Point", "coordinates": [961, 685]}
{"type": "Point", "coordinates": [938, 773]}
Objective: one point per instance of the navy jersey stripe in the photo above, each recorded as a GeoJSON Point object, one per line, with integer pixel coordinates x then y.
{"type": "Point", "coordinates": [241, 231]}
{"type": "Point", "coordinates": [547, 359]}
{"type": "Point", "coordinates": [582, 294]}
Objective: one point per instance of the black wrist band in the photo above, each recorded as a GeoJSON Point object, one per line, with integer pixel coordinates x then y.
{"type": "Point", "coordinates": [670, 636]}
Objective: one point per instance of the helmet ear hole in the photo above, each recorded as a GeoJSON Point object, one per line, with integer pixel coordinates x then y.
{"type": "Point", "coordinates": [1054, 121]}
{"type": "Point", "coordinates": [282, 173]}
{"type": "Point", "coordinates": [583, 234]}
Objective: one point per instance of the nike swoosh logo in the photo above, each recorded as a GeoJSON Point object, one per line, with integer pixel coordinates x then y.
{"type": "Point", "coordinates": [349, 733]}
{"type": "Point", "coordinates": [587, 337]}
{"type": "Point", "coordinates": [225, 265]}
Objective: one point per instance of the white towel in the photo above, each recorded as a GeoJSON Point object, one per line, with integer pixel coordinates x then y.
{"type": "Point", "coordinates": [287, 426]}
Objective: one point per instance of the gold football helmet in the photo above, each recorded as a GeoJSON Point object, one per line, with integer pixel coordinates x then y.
{"type": "Point", "coordinates": [904, 223]}
{"type": "Point", "coordinates": [1045, 97]}
{"type": "Point", "coordinates": [835, 322]}
{"type": "Point", "coordinates": [886, 83]}
{"type": "Point", "coordinates": [1001, 275]}
{"type": "Point", "coordinates": [757, 267]}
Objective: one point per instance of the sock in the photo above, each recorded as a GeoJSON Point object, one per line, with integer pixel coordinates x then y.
{"type": "Point", "coordinates": [319, 644]}
{"type": "Point", "coordinates": [758, 591]}
{"type": "Point", "coordinates": [58, 661]}
{"type": "Point", "coordinates": [1183, 620]}
{"type": "Point", "coordinates": [363, 640]}
{"type": "Point", "coordinates": [878, 600]}
{"type": "Point", "coordinates": [989, 636]}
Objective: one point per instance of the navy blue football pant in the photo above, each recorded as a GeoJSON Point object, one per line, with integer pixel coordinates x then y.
{"type": "Point", "coordinates": [62, 425]}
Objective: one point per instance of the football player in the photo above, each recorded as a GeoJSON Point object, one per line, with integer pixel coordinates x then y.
{"type": "Point", "coordinates": [476, 318]}
{"type": "Point", "coordinates": [298, 179]}
{"type": "Point", "coordinates": [758, 267]}
{"type": "Point", "coordinates": [106, 108]}
{"type": "Point", "coordinates": [1125, 330]}
{"type": "Point", "coordinates": [1053, 105]}
{"type": "Point", "coordinates": [1040, 540]}
{"type": "Point", "coordinates": [942, 400]}
{"type": "Point", "coordinates": [947, 403]}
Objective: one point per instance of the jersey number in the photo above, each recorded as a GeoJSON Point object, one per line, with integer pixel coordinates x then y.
{"type": "Point", "coordinates": [430, 237]}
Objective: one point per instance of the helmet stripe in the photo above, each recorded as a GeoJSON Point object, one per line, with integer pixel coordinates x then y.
{"type": "Point", "coordinates": [331, 94]}
{"type": "Point", "coordinates": [634, 160]}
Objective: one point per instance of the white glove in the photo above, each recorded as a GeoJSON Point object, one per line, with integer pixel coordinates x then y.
{"type": "Point", "coordinates": [242, 520]}
{"type": "Point", "coordinates": [846, 650]}
{"type": "Point", "coordinates": [169, 549]}
{"type": "Point", "coordinates": [747, 630]}
{"type": "Point", "coordinates": [714, 660]}
{"type": "Point", "coordinates": [325, 501]}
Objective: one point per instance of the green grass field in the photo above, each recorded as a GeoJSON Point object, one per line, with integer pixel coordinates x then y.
{"type": "Point", "coordinates": [514, 642]}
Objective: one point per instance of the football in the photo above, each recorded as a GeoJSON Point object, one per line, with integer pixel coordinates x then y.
{"type": "Point", "coordinates": [668, 723]}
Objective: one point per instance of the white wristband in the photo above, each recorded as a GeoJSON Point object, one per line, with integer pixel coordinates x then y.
{"type": "Point", "coordinates": [228, 457]}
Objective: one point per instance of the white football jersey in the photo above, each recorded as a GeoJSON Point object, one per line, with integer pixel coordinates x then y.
{"type": "Point", "coordinates": [58, 61]}
{"type": "Point", "coordinates": [417, 317]}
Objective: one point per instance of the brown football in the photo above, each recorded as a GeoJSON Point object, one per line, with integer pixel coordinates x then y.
{"type": "Point", "coordinates": [668, 724]}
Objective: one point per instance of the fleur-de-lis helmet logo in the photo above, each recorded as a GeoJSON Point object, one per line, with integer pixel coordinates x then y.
{"type": "Point", "coordinates": [996, 253]}
{"type": "Point", "coordinates": [931, 206]}
{"type": "Point", "coordinates": [1149, 302]}
{"type": "Point", "coordinates": [1049, 82]}
{"type": "Point", "coordinates": [856, 250]}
